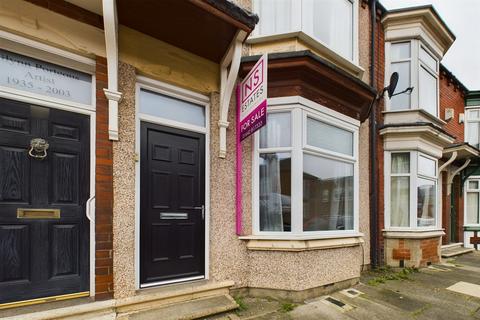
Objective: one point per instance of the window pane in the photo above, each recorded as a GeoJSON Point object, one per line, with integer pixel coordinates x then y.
{"type": "Point", "coordinates": [325, 136]}
{"type": "Point", "coordinates": [426, 203]}
{"type": "Point", "coordinates": [277, 132]}
{"type": "Point", "coordinates": [327, 194]}
{"type": "Point", "coordinates": [400, 202]}
{"type": "Point", "coordinates": [473, 185]}
{"type": "Point", "coordinates": [473, 133]}
{"type": "Point", "coordinates": [400, 51]}
{"type": "Point", "coordinates": [426, 166]}
{"type": "Point", "coordinates": [473, 114]}
{"type": "Point", "coordinates": [275, 192]}
{"type": "Point", "coordinates": [400, 162]}
{"type": "Point", "coordinates": [472, 208]}
{"type": "Point", "coordinates": [275, 16]}
{"type": "Point", "coordinates": [428, 91]}
{"type": "Point", "coordinates": [332, 23]}
{"type": "Point", "coordinates": [401, 101]}
{"type": "Point", "coordinates": [158, 105]}
{"type": "Point", "coordinates": [428, 59]}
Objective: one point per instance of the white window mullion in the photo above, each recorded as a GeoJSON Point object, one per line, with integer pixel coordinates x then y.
{"type": "Point", "coordinates": [297, 172]}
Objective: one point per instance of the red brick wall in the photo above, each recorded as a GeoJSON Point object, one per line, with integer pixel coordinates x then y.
{"type": "Point", "coordinates": [429, 249]}
{"type": "Point", "coordinates": [402, 252]}
{"type": "Point", "coordinates": [104, 191]}
{"type": "Point", "coordinates": [451, 96]}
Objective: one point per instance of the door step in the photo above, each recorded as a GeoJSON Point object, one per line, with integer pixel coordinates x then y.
{"type": "Point", "coordinates": [455, 251]}
{"type": "Point", "coordinates": [192, 309]}
{"type": "Point", "coordinates": [452, 245]}
{"type": "Point", "coordinates": [185, 301]}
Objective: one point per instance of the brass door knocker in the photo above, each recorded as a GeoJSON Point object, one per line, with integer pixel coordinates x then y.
{"type": "Point", "coordinates": [38, 148]}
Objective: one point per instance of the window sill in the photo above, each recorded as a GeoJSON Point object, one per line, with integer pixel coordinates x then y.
{"type": "Point", "coordinates": [314, 45]}
{"type": "Point", "coordinates": [302, 243]}
{"type": "Point", "coordinates": [413, 233]}
{"type": "Point", "coordinates": [411, 116]}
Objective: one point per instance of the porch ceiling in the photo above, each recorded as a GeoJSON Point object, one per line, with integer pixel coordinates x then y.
{"type": "Point", "coordinates": [203, 27]}
{"type": "Point", "coordinates": [464, 151]}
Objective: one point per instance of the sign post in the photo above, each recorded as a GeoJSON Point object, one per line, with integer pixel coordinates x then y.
{"type": "Point", "coordinates": [251, 116]}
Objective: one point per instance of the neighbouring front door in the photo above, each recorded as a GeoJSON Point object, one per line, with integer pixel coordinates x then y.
{"type": "Point", "coordinates": [172, 197]}
{"type": "Point", "coordinates": [44, 233]}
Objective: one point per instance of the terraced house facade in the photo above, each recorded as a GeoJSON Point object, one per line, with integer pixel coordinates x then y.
{"type": "Point", "coordinates": [121, 188]}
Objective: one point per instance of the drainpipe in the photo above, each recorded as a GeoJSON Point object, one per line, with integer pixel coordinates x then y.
{"type": "Point", "coordinates": [373, 147]}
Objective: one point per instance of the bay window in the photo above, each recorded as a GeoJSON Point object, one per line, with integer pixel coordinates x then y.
{"type": "Point", "coordinates": [472, 214]}
{"type": "Point", "coordinates": [306, 173]}
{"type": "Point", "coordinates": [417, 68]}
{"type": "Point", "coordinates": [473, 127]}
{"type": "Point", "coordinates": [330, 22]}
{"type": "Point", "coordinates": [410, 190]}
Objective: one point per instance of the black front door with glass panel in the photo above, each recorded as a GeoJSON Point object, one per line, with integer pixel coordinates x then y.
{"type": "Point", "coordinates": [44, 232]}
{"type": "Point", "coordinates": [172, 197]}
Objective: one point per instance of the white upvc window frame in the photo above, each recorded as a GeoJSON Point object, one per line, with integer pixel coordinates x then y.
{"type": "Point", "coordinates": [469, 120]}
{"type": "Point", "coordinates": [469, 190]}
{"type": "Point", "coordinates": [297, 26]}
{"type": "Point", "coordinates": [415, 64]}
{"type": "Point", "coordinates": [414, 175]}
{"type": "Point", "coordinates": [300, 109]}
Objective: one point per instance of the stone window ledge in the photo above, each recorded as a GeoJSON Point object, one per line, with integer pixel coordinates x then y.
{"type": "Point", "coordinates": [302, 243]}
{"type": "Point", "coordinates": [413, 234]}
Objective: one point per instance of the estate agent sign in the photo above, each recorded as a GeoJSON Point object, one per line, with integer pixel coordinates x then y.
{"type": "Point", "coordinates": [39, 77]}
{"type": "Point", "coordinates": [253, 99]}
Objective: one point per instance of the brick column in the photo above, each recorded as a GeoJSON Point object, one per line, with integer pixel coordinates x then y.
{"type": "Point", "coordinates": [104, 191]}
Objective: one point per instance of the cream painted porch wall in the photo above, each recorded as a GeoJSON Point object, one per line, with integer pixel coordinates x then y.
{"type": "Point", "coordinates": [162, 61]}
{"type": "Point", "coordinates": [40, 24]}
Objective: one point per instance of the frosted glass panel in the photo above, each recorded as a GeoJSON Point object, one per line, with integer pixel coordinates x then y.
{"type": "Point", "coordinates": [401, 101]}
{"type": "Point", "coordinates": [277, 132]}
{"type": "Point", "coordinates": [428, 92]}
{"type": "Point", "coordinates": [400, 51]}
{"type": "Point", "coordinates": [428, 59]}
{"type": "Point", "coordinates": [331, 23]}
{"type": "Point", "coordinates": [472, 208]}
{"type": "Point", "coordinates": [159, 105]}
{"type": "Point", "coordinates": [473, 134]}
{"type": "Point", "coordinates": [473, 185]}
{"type": "Point", "coordinates": [426, 166]}
{"type": "Point", "coordinates": [473, 114]}
{"type": "Point", "coordinates": [275, 16]}
{"type": "Point", "coordinates": [325, 136]}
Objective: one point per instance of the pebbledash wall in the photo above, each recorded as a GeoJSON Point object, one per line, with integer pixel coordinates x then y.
{"type": "Point", "coordinates": [229, 258]}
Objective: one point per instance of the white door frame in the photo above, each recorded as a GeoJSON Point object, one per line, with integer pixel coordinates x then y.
{"type": "Point", "coordinates": [41, 51]}
{"type": "Point", "coordinates": [185, 95]}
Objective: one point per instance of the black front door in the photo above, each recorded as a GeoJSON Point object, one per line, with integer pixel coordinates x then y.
{"type": "Point", "coordinates": [44, 233]}
{"type": "Point", "coordinates": [172, 195]}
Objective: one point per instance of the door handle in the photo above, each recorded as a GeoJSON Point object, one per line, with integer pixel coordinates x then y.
{"type": "Point", "coordinates": [203, 210]}
{"type": "Point", "coordinates": [88, 210]}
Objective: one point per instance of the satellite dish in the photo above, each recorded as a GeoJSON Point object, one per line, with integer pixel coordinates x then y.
{"type": "Point", "coordinates": [393, 84]}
